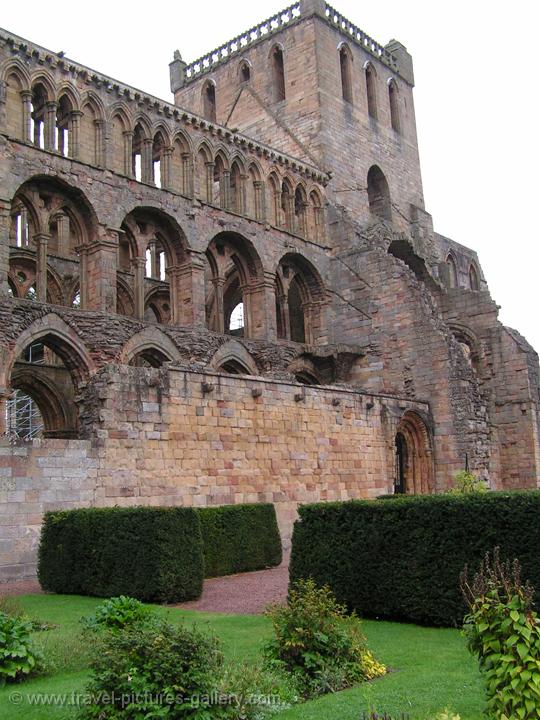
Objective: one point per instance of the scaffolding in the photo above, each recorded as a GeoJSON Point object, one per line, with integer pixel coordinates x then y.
{"type": "Point", "coordinates": [23, 417]}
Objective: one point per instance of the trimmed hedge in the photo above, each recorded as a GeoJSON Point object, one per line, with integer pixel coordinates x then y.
{"type": "Point", "coordinates": [153, 554]}
{"type": "Point", "coordinates": [239, 538]}
{"type": "Point", "coordinates": [401, 558]}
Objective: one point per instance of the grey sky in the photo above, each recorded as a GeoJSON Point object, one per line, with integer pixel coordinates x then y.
{"type": "Point", "coordinates": [476, 103]}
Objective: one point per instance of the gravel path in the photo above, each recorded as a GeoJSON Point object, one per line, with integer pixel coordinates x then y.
{"type": "Point", "coordinates": [243, 594]}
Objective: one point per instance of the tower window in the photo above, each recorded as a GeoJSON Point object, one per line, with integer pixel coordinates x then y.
{"type": "Point", "coordinates": [371, 91]}
{"type": "Point", "coordinates": [209, 102]}
{"type": "Point", "coordinates": [345, 61]}
{"type": "Point", "coordinates": [394, 105]}
{"type": "Point", "coordinates": [278, 74]}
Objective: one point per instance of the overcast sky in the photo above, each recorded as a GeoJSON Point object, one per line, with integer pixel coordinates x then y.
{"type": "Point", "coordinates": [476, 101]}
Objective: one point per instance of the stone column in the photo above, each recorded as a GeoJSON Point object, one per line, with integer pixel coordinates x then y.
{"type": "Point", "coordinates": [62, 225]}
{"type": "Point", "coordinates": [98, 138]}
{"type": "Point", "coordinates": [218, 284]}
{"type": "Point", "coordinates": [225, 190]}
{"type": "Point", "coordinates": [262, 308]}
{"type": "Point", "coordinates": [210, 182]}
{"type": "Point", "coordinates": [153, 260]}
{"type": "Point", "coordinates": [258, 188]}
{"type": "Point", "coordinates": [139, 264]}
{"type": "Point", "coordinates": [128, 153]}
{"type": "Point", "coordinates": [5, 224]}
{"type": "Point", "coordinates": [285, 318]}
{"type": "Point", "coordinates": [26, 97]}
{"type": "Point", "coordinates": [99, 268]}
{"type": "Point", "coordinates": [25, 240]}
{"type": "Point", "coordinates": [188, 291]}
{"type": "Point", "coordinates": [41, 240]}
{"type": "Point", "coordinates": [301, 228]}
{"type": "Point", "coordinates": [187, 175]}
{"type": "Point", "coordinates": [147, 170]}
{"type": "Point", "coordinates": [166, 168]}
{"type": "Point", "coordinates": [5, 395]}
{"type": "Point", "coordinates": [50, 125]}
{"type": "Point", "coordinates": [74, 148]}
{"type": "Point", "coordinates": [82, 251]}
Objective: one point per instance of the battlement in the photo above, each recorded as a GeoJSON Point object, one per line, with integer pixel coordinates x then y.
{"type": "Point", "coordinates": [285, 18]}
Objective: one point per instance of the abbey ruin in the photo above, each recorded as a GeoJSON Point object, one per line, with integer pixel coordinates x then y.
{"type": "Point", "coordinates": [238, 296]}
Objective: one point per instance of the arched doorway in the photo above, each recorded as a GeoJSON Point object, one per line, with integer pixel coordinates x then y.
{"type": "Point", "coordinates": [413, 472]}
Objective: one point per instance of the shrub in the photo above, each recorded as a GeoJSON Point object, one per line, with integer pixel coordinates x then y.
{"type": "Point", "coordinates": [118, 613]}
{"type": "Point", "coordinates": [155, 670]}
{"type": "Point", "coordinates": [18, 656]}
{"type": "Point", "coordinates": [465, 483]}
{"type": "Point", "coordinates": [504, 633]}
{"type": "Point", "coordinates": [315, 641]}
{"type": "Point", "coordinates": [239, 538]}
{"type": "Point", "coordinates": [145, 552]}
{"type": "Point", "coordinates": [401, 558]}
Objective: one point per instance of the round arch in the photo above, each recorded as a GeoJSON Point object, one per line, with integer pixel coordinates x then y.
{"type": "Point", "coordinates": [413, 456]}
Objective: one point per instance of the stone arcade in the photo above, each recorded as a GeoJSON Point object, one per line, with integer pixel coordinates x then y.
{"type": "Point", "coordinates": [238, 297]}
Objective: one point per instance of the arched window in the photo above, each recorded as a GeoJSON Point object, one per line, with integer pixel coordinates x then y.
{"type": "Point", "coordinates": [182, 167]}
{"type": "Point", "coordinates": [451, 269]}
{"type": "Point", "coordinates": [378, 194]}
{"type": "Point", "coordinates": [278, 74]}
{"type": "Point", "coordinates": [300, 207]}
{"type": "Point", "coordinates": [92, 135]}
{"type": "Point", "coordinates": [244, 72]}
{"type": "Point", "coordinates": [394, 105]}
{"type": "Point", "coordinates": [15, 117]}
{"type": "Point", "coordinates": [158, 166]}
{"type": "Point", "coordinates": [137, 153]}
{"type": "Point", "coordinates": [315, 217]}
{"type": "Point", "coordinates": [64, 134]}
{"type": "Point", "coordinates": [474, 280]}
{"type": "Point", "coordinates": [38, 114]}
{"type": "Point", "coordinates": [237, 189]}
{"type": "Point", "coordinates": [345, 61]}
{"type": "Point", "coordinates": [371, 91]}
{"type": "Point", "coordinates": [209, 101]}
{"type": "Point", "coordinates": [220, 190]}
{"type": "Point", "coordinates": [287, 205]}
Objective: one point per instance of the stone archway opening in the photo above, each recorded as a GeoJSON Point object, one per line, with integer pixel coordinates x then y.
{"type": "Point", "coordinates": [43, 399]}
{"type": "Point", "coordinates": [413, 474]}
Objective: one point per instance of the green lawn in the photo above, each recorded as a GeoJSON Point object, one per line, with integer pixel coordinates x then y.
{"type": "Point", "coordinates": [431, 669]}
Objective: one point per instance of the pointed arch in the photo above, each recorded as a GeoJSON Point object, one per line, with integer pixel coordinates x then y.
{"type": "Point", "coordinates": [234, 359]}
{"type": "Point", "coordinates": [393, 100]}
{"type": "Point", "coordinates": [92, 132]}
{"type": "Point", "coordinates": [244, 71]}
{"type": "Point", "coordinates": [474, 277]}
{"type": "Point", "coordinates": [346, 64]}
{"type": "Point", "coordinates": [378, 193]}
{"type": "Point", "coordinates": [204, 172]}
{"type": "Point", "coordinates": [300, 300]}
{"type": "Point", "coordinates": [17, 84]}
{"type": "Point", "coordinates": [208, 100]}
{"type": "Point", "coordinates": [120, 138]}
{"type": "Point", "coordinates": [452, 272]}
{"type": "Point", "coordinates": [255, 192]}
{"type": "Point", "coordinates": [55, 333]}
{"type": "Point", "coordinates": [152, 345]}
{"type": "Point", "coordinates": [182, 164]}
{"type": "Point", "coordinates": [278, 73]}
{"type": "Point", "coordinates": [370, 75]}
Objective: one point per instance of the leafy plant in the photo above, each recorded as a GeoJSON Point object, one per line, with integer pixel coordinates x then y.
{"type": "Point", "coordinates": [315, 641]}
{"type": "Point", "coordinates": [504, 633]}
{"type": "Point", "coordinates": [465, 483]}
{"type": "Point", "coordinates": [118, 613]}
{"type": "Point", "coordinates": [256, 692]}
{"type": "Point", "coordinates": [18, 656]}
{"type": "Point", "coordinates": [447, 715]}
{"type": "Point", "coordinates": [12, 606]}
{"type": "Point", "coordinates": [155, 670]}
